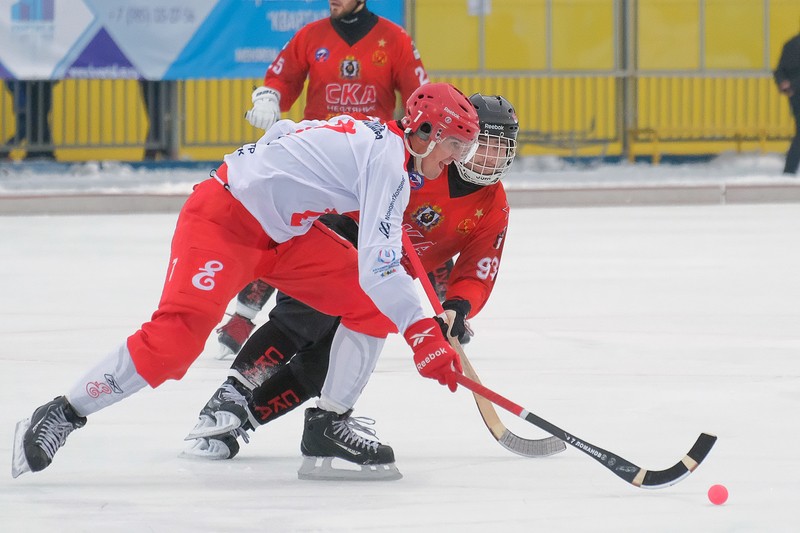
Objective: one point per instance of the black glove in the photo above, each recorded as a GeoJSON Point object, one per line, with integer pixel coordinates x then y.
{"type": "Point", "coordinates": [459, 309]}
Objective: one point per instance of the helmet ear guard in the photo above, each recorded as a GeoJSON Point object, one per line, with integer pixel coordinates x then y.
{"type": "Point", "coordinates": [424, 131]}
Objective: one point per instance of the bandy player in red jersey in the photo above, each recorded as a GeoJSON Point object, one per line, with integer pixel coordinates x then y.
{"type": "Point", "coordinates": [355, 63]}
{"type": "Point", "coordinates": [464, 212]}
{"type": "Point", "coordinates": [256, 217]}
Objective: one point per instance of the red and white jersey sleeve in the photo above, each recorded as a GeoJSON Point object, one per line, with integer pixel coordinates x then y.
{"type": "Point", "coordinates": [344, 79]}
{"type": "Point", "coordinates": [472, 227]}
{"type": "Point", "coordinates": [300, 171]}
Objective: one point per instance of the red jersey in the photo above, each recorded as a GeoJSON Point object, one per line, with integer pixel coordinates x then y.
{"type": "Point", "coordinates": [473, 225]}
{"type": "Point", "coordinates": [344, 79]}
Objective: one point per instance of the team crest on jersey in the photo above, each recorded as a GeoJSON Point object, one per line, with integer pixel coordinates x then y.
{"type": "Point", "coordinates": [350, 68]}
{"type": "Point", "coordinates": [380, 58]}
{"type": "Point", "coordinates": [416, 180]}
{"type": "Point", "coordinates": [322, 55]}
{"type": "Point", "coordinates": [465, 226]}
{"type": "Point", "coordinates": [428, 217]}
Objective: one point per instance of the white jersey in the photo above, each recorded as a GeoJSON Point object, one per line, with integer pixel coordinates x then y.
{"type": "Point", "coordinates": [298, 172]}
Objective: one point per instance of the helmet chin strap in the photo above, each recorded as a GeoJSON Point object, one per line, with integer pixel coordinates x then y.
{"type": "Point", "coordinates": [407, 136]}
{"type": "Point", "coordinates": [417, 156]}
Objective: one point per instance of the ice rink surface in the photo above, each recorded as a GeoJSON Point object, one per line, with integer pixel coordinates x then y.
{"type": "Point", "coordinates": [634, 328]}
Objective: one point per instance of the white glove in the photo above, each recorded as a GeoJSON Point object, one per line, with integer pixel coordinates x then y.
{"type": "Point", "coordinates": [266, 108]}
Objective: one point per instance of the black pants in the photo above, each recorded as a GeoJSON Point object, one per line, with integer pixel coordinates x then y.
{"type": "Point", "coordinates": [793, 155]}
{"type": "Point", "coordinates": [312, 332]}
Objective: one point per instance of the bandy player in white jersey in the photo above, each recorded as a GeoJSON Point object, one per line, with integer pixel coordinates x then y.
{"type": "Point", "coordinates": [256, 217]}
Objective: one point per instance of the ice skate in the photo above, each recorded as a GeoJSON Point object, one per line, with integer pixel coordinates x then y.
{"type": "Point", "coordinates": [226, 411]}
{"type": "Point", "coordinates": [216, 448]}
{"type": "Point", "coordinates": [233, 335]}
{"type": "Point", "coordinates": [332, 449]}
{"type": "Point", "coordinates": [38, 438]}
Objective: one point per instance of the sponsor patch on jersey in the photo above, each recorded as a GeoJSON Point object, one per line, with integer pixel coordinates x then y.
{"type": "Point", "coordinates": [387, 262]}
{"type": "Point", "coordinates": [465, 226]}
{"type": "Point", "coordinates": [322, 55]}
{"type": "Point", "coordinates": [380, 58]}
{"type": "Point", "coordinates": [416, 180]}
{"type": "Point", "coordinates": [385, 228]}
{"type": "Point", "coordinates": [428, 217]}
{"type": "Point", "coordinates": [376, 126]}
{"type": "Point", "coordinates": [350, 68]}
{"type": "Point", "coordinates": [387, 256]}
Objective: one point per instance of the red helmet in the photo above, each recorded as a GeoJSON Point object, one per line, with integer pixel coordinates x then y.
{"type": "Point", "coordinates": [438, 110]}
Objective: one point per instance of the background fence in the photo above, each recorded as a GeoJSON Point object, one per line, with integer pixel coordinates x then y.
{"type": "Point", "coordinates": [588, 78]}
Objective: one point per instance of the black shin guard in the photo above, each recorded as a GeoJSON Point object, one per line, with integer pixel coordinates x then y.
{"type": "Point", "coordinates": [310, 365]}
{"type": "Point", "coordinates": [255, 295]}
{"type": "Point", "coordinates": [278, 395]}
{"type": "Point", "coordinates": [267, 350]}
{"type": "Point", "coordinates": [291, 385]}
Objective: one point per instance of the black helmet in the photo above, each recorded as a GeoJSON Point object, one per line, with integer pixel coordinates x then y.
{"type": "Point", "coordinates": [496, 115]}
{"type": "Point", "coordinates": [497, 140]}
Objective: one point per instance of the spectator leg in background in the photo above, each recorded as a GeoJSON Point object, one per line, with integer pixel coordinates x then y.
{"type": "Point", "coordinates": [793, 155]}
{"type": "Point", "coordinates": [40, 99]}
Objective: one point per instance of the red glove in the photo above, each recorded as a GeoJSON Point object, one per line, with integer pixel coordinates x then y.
{"type": "Point", "coordinates": [433, 355]}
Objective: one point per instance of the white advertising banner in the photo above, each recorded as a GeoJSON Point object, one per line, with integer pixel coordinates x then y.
{"type": "Point", "coordinates": [153, 39]}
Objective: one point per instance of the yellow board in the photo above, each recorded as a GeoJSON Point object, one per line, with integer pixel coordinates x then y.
{"type": "Point", "coordinates": [583, 35]}
{"type": "Point", "coordinates": [516, 36]}
{"type": "Point", "coordinates": [446, 35]}
{"type": "Point", "coordinates": [669, 34]}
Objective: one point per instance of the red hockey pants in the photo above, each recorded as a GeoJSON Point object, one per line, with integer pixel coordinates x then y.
{"type": "Point", "coordinates": [217, 249]}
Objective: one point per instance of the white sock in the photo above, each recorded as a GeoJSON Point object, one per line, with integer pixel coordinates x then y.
{"type": "Point", "coordinates": [353, 358]}
{"type": "Point", "coordinates": [111, 380]}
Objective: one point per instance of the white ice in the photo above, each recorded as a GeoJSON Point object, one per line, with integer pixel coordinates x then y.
{"type": "Point", "coordinates": [634, 328]}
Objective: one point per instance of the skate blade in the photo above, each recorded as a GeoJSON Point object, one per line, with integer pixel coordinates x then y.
{"type": "Point", "coordinates": [208, 449]}
{"type": "Point", "coordinates": [223, 422]}
{"type": "Point", "coordinates": [203, 421]}
{"type": "Point", "coordinates": [19, 464]}
{"type": "Point", "coordinates": [322, 469]}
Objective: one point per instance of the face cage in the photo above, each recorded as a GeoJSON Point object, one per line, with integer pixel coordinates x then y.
{"type": "Point", "coordinates": [497, 153]}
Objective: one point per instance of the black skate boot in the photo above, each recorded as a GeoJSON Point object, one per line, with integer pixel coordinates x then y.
{"type": "Point", "coordinates": [224, 412]}
{"type": "Point", "coordinates": [233, 335]}
{"type": "Point", "coordinates": [327, 435]}
{"type": "Point", "coordinates": [38, 438]}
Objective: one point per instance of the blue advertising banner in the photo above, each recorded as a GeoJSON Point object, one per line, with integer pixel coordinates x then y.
{"type": "Point", "coordinates": [154, 39]}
